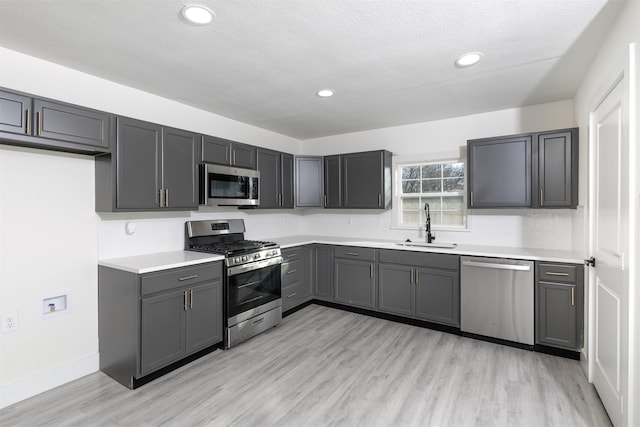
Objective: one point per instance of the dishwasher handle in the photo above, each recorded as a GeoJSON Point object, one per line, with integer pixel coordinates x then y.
{"type": "Point", "coordinates": [497, 266]}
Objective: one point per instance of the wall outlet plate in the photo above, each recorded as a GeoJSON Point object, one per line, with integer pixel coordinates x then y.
{"type": "Point", "coordinates": [10, 323]}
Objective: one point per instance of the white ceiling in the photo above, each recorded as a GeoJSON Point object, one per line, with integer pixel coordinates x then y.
{"type": "Point", "coordinates": [390, 62]}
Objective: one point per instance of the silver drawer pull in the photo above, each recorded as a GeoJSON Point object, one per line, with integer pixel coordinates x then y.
{"type": "Point", "coordinates": [255, 322]}
{"type": "Point", "coordinates": [553, 273]}
{"type": "Point", "coordinates": [291, 271]}
{"type": "Point", "coordinates": [291, 255]}
{"type": "Point", "coordinates": [353, 253]}
{"type": "Point", "coordinates": [292, 295]}
{"type": "Point", "coordinates": [193, 276]}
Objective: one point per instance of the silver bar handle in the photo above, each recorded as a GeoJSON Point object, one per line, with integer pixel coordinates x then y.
{"type": "Point", "coordinates": [573, 302]}
{"type": "Point", "coordinates": [191, 299]}
{"type": "Point", "coordinates": [417, 277]}
{"type": "Point", "coordinates": [28, 124]}
{"type": "Point", "coordinates": [184, 300]}
{"type": "Point", "coordinates": [193, 276]}
{"type": "Point", "coordinates": [371, 270]}
{"type": "Point", "coordinates": [541, 197]}
{"type": "Point", "coordinates": [380, 200]}
{"type": "Point", "coordinates": [166, 197]}
{"type": "Point", "coordinates": [161, 198]}
{"type": "Point", "coordinates": [38, 123]}
{"type": "Point", "coordinates": [411, 277]}
{"type": "Point", "coordinates": [353, 253]}
{"type": "Point", "coordinates": [497, 266]}
{"type": "Point", "coordinates": [291, 271]}
{"type": "Point", "coordinates": [472, 199]}
{"type": "Point", "coordinates": [553, 273]}
{"type": "Point", "coordinates": [325, 200]}
{"type": "Point", "coordinates": [292, 295]}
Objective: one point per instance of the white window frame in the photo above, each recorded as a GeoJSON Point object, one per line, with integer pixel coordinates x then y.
{"type": "Point", "coordinates": [399, 162]}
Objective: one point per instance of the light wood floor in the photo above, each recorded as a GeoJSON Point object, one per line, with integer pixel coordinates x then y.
{"type": "Point", "coordinates": [323, 367]}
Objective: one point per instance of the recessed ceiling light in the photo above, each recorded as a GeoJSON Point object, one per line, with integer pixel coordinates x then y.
{"type": "Point", "coordinates": [324, 93]}
{"type": "Point", "coordinates": [197, 15]}
{"type": "Point", "coordinates": [468, 59]}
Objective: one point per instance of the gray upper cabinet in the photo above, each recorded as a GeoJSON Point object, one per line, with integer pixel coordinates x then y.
{"type": "Point", "coordinates": [555, 169]}
{"type": "Point", "coordinates": [276, 179]}
{"type": "Point", "coordinates": [499, 171]}
{"type": "Point", "coordinates": [538, 170]}
{"type": "Point", "coordinates": [309, 185]}
{"type": "Point", "coordinates": [559, 302]}
{"type": "Point", "coordinates": [333, 181]}
{"type": "Point", "coordinates": [366, 180]}
{"type": "Point", "coordinates": [42, 123]}
{"type": "Point", "coordinates": [152, 168]}
{"type": "Point", "coordinates": [354, 272]}
{"type": "Point", "coordinates": [225, 152]}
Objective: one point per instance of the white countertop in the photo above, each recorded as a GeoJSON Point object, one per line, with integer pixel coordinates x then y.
{"type": "Point", "coordinates": [166, 260]}
{"type": "Point", "coordinates": [149, 263]}
{"type": "Point", "coordinates": [472, 250]}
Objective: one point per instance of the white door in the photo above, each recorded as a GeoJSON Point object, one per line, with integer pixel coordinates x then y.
{"type": "Point", "coordinates": [609, 242]}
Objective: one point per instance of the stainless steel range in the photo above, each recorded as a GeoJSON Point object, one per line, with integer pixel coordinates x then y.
{"type": "Point", "coordinates": [253, 298]}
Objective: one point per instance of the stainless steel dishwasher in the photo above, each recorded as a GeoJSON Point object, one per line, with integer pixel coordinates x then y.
{"type": "Point", "coordinates": [496, 298]}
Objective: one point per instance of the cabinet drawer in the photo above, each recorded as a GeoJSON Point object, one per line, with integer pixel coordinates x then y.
{"type": "Point", "coordinates": [420, 259]}
{"type": "Point", "coordinates": [291, 272]}
{"type": "Point", "coordinates": [291, 296]}
{"type": "Point", "coordinates": [354, 252]}
{"type": "Point", "coordinates": [557, 272]}
{"type": "Point", "coordinates": [162, 281]}
{"type": "Point", "coordinates": [291, 254]}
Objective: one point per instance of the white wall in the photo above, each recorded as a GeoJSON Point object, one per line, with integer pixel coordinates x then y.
{"type": "Point", "coordinates": [604, 69]}
{"type": "Point", "coordinates": [550, 229]}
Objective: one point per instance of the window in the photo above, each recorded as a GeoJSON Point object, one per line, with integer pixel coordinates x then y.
{"type": "Point", "coordinates": [439, 184]}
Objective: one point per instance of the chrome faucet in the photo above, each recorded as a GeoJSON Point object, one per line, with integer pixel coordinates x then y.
{"type": "Point", "coordinates": [427, 228]}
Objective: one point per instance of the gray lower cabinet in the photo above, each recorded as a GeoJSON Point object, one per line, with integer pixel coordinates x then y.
{"type": "Point", "coordinates": [276, 179]}
{"type": "Point", "coordinates": [333, 181]}
{"type": "Point", "coordinates": [152, 168]}
{"type": "Point", "coordinates": [559, 305]}
{"type": "Point", "coordinates": [309, 184]}
{"type": "Point", "coordinates": [149, 321]}
{"type": "Point", "coordinates": [366, 180]}
{"type": "Point", "coordinates": [355, 276]}
{"type": "Point", "coordinates": [225, 152]}
{"type": "Point", "coordinates": [421, 285]}
{"type": "Point", "coordinates": [43, 123]}
{"type": "Point", "coordinates": [297, 276]}
{"type": "Point", "coordinates": [323, 272]}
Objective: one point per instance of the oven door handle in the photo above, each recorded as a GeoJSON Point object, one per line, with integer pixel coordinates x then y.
{"type": "Point", "coordinates": [257, 265]}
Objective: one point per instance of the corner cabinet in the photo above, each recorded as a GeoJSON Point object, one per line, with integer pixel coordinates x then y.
{"type": "Point", "coordinates": [149, 321]}
{"type": "Point", "coordinates": [276, 179]}
{"type": "Point", "coordinates": [42, 123]}
{"type": "Point", "coordinates": [309, 181]}
{"type": "Point", "coordinates": [366, 180]}
{"type": "Point", "coordinates": [354, 272]}
{"type": "Point", "coordinates": [421, 285]}
{"type": "Point", "coordinates": [225, 152]}
{"type": "Point", "coordinates": [538, 170]}
{"type": "Point", "coordinates": [152, 168]}
{"type": "Point", "coordinates": [559, 305]}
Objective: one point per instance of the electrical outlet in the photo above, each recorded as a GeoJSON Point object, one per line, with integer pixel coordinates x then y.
{"type": "Point", "coordinates": [10, 323]}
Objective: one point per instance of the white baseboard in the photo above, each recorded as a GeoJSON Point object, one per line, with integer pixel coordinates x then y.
{"type": "Point", "coordinates": [36, 384]}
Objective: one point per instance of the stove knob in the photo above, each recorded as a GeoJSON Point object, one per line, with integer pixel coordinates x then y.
{"type": "Point", "coordinates": [237, 259]}
{"type": "Point", "coordinates": [256, 256]}
{"type": "Point", "coordinates": [245, 258]}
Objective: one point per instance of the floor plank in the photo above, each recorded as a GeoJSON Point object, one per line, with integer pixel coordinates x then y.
{"type": "Point", "coordinates": [326, 367]}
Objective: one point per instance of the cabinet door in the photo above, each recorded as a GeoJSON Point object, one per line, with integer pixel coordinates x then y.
{"type": "Point", "coordinates": [309, 181]}
{"type": "Point", "coordinates": [243, 156]}
{"type": "Point", "coordinates": [499, 172]}
{"type": "Point", "coordinates": [163, 320]}
{"type": "Point", "coordinates": [286, 180]}
{"type": "Point", "coordinates": [179, 168]}
{"type": "Point", "coordinates": [438, 296]}
{"type": "Point", "coordinates": [355, 283]}
{"type": "Point", "coordinates": [204, 316]}
{"type": "Point", "coordinates": [270, 184]}
{"type": "Point", "coordinates": [333, 182]}
{"type": "Point", "coordinates": [14, 110]}
{"type": "Point", "coordinates": [395, 289]}
{"type": "Point", "coordinates": [556, 176]}
{"type": "Point", "coordinates": [71, 124]}
{"type": "Point", "coordinates": [557, 315]}
{"type": "Point", "coordinates": [363, 180]}
{"type": "Point", "coordinates": [323, 270]}
{"type": "Point", "coordinates": [216, 150]}
{"type": "Point", "coordinates": [138, 164]}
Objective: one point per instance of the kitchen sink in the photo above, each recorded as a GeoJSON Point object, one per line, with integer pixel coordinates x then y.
{"type": "Point", "coordinates": [429, 245]}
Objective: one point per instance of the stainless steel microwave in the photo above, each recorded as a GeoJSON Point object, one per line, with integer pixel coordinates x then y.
{"type": "Point", "coordinates": [228, 186]}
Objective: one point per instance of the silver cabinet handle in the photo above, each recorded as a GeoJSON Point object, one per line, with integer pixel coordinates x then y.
{"type": "Point", "coordinates": [497, 266]}
{"type": "Point", "coordinates": [291, 271]}
{"type": "Point", "coordinates": [472, 199]}
{"type": "Point", "coordinates": [166, 197]}
{"type": "Point", "coordinates": [292, 295]}
{"type": "Point", "coordinates": [573, 302]}
{"type": "Point", "coordinates": [184, 300]}
{"type": "Point", "coordinates": [255, 322]}
{"type": "Point", "coordinates": [411, 277]}
{"type": "Point", "coordinates": [291, 255]}
{"type": "Point", "coordinates": [161, 198]}
{"type": "Point", "coordinates": [38, 123]}
{"type": "Point", "coordinates": [191, 299]}
{"type": "Point", "coordinates": [371, 270]}
{"type": "Point", "coordinates": [28, 124]}
{"type": "Point", "coordinates": [193, 276]}
{"type": "Point", "coordinates": [417, 277]}
{"type": "Point", "coordinates": [554, 273]}
{"type": "Point", "coordinates": [541, 198]}
{"type": "Point", "coordinates": [380, 200]}
{"type": "Point", "coordinates": [325, 200]}
{"type": "Point", "coordinates": [353, 253]}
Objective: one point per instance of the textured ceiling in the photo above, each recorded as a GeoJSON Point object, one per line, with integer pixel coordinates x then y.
{"type": "Point", "coordinates": [390, 62]}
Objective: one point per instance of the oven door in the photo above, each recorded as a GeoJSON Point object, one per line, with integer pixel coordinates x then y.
{"type": "Point", "coordinates": [252, 285]}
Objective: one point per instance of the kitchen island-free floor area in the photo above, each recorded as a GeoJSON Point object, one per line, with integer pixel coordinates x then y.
{"type": "Point", "coordinates": [322, 366]}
